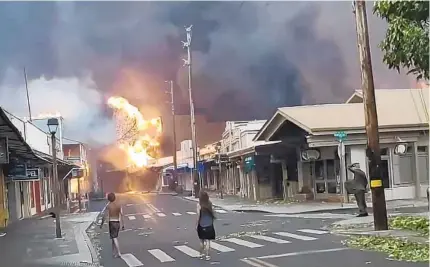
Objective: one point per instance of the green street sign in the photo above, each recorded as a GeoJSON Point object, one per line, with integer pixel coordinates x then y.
{"type": "Point", "coordinates": [340, 136]}
{"type": "Point", "coordinates": [249, 164]}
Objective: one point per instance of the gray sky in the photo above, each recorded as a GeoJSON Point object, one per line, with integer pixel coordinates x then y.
{"type": "Point", "coordinates": [249, 57]}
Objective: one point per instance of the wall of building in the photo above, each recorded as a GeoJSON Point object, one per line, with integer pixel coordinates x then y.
{"type": "Point", "coordinates": [37, 139]}
{"type": "Point", "coordinates": [358, 155]}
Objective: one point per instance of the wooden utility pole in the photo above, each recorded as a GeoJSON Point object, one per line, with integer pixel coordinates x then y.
{"type": "Point", "coordinates": [28, 96]}
{"type": "Point", "coordinates": [371, 118]}
{"type": "Point", "coordinates": [172, 102]}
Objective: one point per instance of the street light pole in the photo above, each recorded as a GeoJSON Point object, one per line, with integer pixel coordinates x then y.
{"type": "Point", "coordinates": [53, 127]}
{"type": "Point", "coordinates": [172, 102]}
{"type": "Point", "coordinates": [187, 62]}
{"type": "Point", "coordinates": [371, 118]}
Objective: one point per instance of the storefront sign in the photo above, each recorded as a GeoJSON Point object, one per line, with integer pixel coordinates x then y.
{"type": "Point", "coordinates": [33, 173]}
{"type": "Point", "coordinates": [249, 164]}
{"type": "Point", "coordinates": [17, 170]}
{"type": "Point", "coordinates": [310, 154]}
{"type": "Point", "coordinates": [77, 173]}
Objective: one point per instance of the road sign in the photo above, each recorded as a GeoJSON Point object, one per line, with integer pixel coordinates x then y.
{"type": "Point", "coordinates": [340, 136]}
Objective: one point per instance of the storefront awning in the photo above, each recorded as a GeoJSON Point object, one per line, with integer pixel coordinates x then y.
{"type": "Point", "coordinates": [48, 158]}
{"type": "Point", "coordinates": [178, 167]}
{"type": "Point", "coordinates": [15, 141]}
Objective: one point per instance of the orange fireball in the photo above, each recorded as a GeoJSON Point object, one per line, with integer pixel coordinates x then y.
{"type": "Point", "coordinates": [135, 135]}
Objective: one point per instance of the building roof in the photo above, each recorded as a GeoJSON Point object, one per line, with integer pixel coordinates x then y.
{"type": "Point", "coordinates": [396, 109]}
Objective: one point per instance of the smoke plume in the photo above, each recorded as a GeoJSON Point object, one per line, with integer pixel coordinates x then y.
{"type": "Point", "coordinates": [248, 57]}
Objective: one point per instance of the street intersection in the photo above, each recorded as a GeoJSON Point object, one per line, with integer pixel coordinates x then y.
{"type": "Point", "coordinates": [160, 231]}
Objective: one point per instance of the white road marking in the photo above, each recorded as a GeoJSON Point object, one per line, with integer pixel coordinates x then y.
{"type": "Point", "coordinates": [146, 216]}
{"type": "Point", "coordinates": [257, 263]}
{"type": "Point", "coordinates": [131, 218]}
{"type": "Point", "coordinates": [161, 214]}
{"type": "Point", "coordinates": [300, 237]}
{"type": "Point", "coordinates": [311, 231]}
{"type": "Point", "coordinates": [270, 239]}
{"type": "Point", "coordinates": [131, 260]}
{"type": "Point", "coordinates": [176, 214]}
{"type": "Point", "coordinates": [244, 243]}
{"type": "Point", "coordinates": [189, 251]}
{"type": "Point", "coordinates": [220, 211]}
{"type": "Point", "coordinates": [191, 212]}
{"type": "Point", "coordinates": [264, 263]}
{"type": "Point", "coordinates": [161, 255]}
{"type": "Point", "coordinates": [248, 261]}
{"type": "Point", "coordinates": [154, 209]}
{"type": "Point", "coordinates": [302, 253]}
{"type": "Point", "coordinates": [220, 247]}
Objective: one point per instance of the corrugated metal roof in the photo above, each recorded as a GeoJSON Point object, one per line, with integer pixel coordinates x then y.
{"type": "Point", "coordinates": [396, 108]}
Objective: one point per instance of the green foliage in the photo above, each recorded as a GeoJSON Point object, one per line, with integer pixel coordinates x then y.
{"type": "Point", "coordinates": [413, 223]}
{"type": "Point", "coordinates": [396, 248]}
{"type": "Point", "coordinates": [406, 42]}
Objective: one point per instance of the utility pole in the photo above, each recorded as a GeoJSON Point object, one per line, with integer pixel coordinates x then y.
{"type": "Point", "coordinates": [28, 95]}
{"type": "Point", "coordinates": [79, 193]}
{"type": "Point", "coordinates": [187, 62]}
{"type": "Point", "coordinates": [220, 186]}
{"type": "Point", "coordinates": [371, 118]}
{"type": "Point", "coordinates": [172, 102]}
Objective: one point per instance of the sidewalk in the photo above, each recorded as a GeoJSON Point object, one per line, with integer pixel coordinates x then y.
{"type": "Point", "coordinates": [234, 203]}
{"type": "Point", "coordinates": [33, 241]}
{"type": "Point", "coordinates": [363, 226]}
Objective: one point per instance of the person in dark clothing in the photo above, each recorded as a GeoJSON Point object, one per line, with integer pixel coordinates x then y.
{"type": "Point", "coordinates": [358, 187]}
{"type": "Point", "coordinates": [205, 223]}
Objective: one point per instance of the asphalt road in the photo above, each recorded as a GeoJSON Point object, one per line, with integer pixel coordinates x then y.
{"type": "Point", "coordinates": [160, 231]}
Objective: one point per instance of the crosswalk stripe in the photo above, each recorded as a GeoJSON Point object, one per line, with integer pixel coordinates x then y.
{"type": "Point", "coordinates": [270, 239]}
{"type": "Point", "coordinates": [161, 214]}
{"type": "Point", "coordinates": [189, 251]}
{"type": "Point", "coordinates": [220, 247]}
{"type": "Point", "coordinates": [146, 216]}
{"type": "Point", "coordinates": [244, 243]}
{"type": "Point", "coordinates": [161, 255]}
{"type": "Point", "coordinates": [221, 211]}
{"type": "Point", "coordinates": [131, 218]}
{"type": "Point", "coordinates": [300, 237]}
{"type": "Point", "coordinates": [249, 262]}
{"type": "Point", "coordinates": [176, 214]}
{"type": "Point", "coordinates": [191, 212]}
{"type": "Point", "coordinates": [311, 231]}
{"type": "Point", "coordinates": [131, 260]}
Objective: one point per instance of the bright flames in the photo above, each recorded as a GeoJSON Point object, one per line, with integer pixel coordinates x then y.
{"type": "Point", "coordinates": [136, 136]}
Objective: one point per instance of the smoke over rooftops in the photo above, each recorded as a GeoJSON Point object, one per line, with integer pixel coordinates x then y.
{"type": "Point", "coordinates": [248, 57]}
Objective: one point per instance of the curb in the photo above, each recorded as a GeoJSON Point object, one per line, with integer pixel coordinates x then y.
{"type": "Point", "coordinates": [94, 256]}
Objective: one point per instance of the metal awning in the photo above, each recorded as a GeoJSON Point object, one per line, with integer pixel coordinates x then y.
{"type": "Point", "coordinates": [48, 158]}
{"type": "Point", "coordinates": [16, 142]}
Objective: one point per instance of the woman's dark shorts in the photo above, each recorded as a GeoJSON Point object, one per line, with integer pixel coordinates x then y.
{"type": "Point", "coordinates": [206, 233]}
{"type": "Point", "coordinates": [114, 229]}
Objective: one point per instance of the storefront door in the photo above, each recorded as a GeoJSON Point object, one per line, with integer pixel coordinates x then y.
{"type": "Point", "coordinates": [325, 176]}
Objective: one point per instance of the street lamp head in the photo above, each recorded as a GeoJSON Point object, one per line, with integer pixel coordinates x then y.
{"type": "Point", "coordinates": [53, 125]}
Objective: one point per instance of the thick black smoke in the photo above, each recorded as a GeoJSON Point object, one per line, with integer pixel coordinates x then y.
{"type": "Point", "coordinates": [248, 57]}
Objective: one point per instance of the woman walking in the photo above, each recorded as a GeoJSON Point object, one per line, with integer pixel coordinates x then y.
{"type": "Point", "coordinates": [205, 224]}
{"type": "Point", "coordinates": [114, 211]}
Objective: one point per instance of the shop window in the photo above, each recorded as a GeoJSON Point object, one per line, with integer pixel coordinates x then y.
{"type": "Point", "coordinates": [420, 149]}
